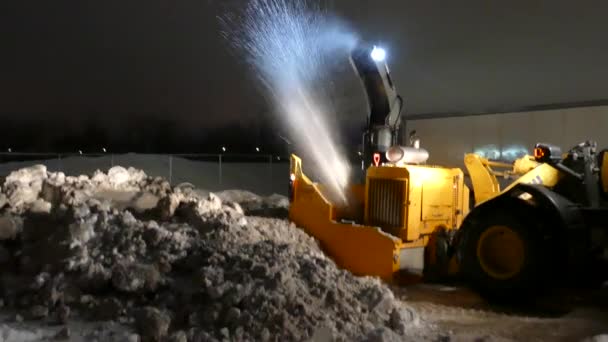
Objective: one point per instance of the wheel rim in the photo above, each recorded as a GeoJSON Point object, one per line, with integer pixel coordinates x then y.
{"type": "Point", "coordinates": [500, 252]}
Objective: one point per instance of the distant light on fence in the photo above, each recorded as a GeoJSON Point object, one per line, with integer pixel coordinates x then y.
{"type": "Point", "coordinates": [257, 149]}
{"type": "Point", "coordinates": [79, 151]}
{"type": "Point", "coordinates": [278, 158]}
{"type": "Point", "coordinates": [104, 150]}
{"type": "Point", "coordinates": [223, 149]}
{"type": "Point", "coordinates": [359, 153]}
{"type": "Point", "coordinates": [10, 150]}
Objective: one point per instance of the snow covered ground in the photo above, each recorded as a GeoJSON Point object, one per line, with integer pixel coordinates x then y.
{"type": "Point", "coordinates": [123, 256]}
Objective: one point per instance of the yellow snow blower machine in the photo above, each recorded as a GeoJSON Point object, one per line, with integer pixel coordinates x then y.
{"type": "Point", "coordinates": [408, 217]}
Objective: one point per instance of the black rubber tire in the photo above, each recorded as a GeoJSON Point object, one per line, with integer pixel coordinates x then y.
{"type": "Point", "coordinates": [527, 282]}
{"type": "Point", "coordinates": [439, 271]}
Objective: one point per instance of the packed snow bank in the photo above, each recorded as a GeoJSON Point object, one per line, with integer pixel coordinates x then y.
{"type": "Point", "coordinates": [261, 175]}
{"type": "Point", "coordinates": [181, 263]}
{"type": "Point", "coordinates": [274, 205]}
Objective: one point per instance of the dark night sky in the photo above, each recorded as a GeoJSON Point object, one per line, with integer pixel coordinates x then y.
{"type": "Point", "coordinates": [161, 57]}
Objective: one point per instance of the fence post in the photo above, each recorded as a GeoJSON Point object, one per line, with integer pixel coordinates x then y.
{"type": "Point", "coordinates": [220, 168]}
{"type": "Point", "coordinates": [170, 169]}
{"type": "Point", "coordinates": [112, 160]}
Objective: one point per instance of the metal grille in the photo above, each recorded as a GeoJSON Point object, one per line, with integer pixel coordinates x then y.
{"type": "Point", "coordinates": [386, 197]}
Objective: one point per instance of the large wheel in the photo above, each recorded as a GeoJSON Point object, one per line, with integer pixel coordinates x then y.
{"type": "Point", "coordinates": [502, 256]}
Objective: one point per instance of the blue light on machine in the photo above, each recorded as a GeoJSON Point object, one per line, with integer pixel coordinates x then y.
{"type": "Point", "coordinates": [488, 151]}
{"type": "Point", "coordinates": [508, 154]}
{"type": "Point", "coordinates": [378, 54]}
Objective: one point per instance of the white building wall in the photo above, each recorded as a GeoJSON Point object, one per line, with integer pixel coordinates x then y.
{"type": "Point", "coordinates": [510, 134]}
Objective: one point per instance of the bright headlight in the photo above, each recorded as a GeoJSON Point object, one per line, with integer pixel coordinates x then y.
{"type": "Point", "coordinates": [378, 54]}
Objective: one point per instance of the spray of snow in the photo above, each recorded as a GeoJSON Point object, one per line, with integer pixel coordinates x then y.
{"type": "Point", "coordinates": [293, 46]}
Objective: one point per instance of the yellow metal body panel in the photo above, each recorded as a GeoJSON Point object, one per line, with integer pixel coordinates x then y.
{"type": "Point", "coordinates": [485, 184]}
{"type": "Point", "coordinates": [363, 250]}
{"type": "Point", "coordinates": [524, 165]}
{"type": "Point", "coordinates": [543, 174]}
{"type": "Point", "coordinates": [435, 198]}
{"type": "Point", "coordinates": [398, 208]}
{"type": "Point", "coordinates": [416, 201]}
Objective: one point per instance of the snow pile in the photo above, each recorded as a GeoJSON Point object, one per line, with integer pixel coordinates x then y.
{"type": "Point", "coordinates": [181, 264]}
{"type": "Point", "coordinates": [34, 189]}
{"type": "Point", "coordinates": [272, 278]}
{"type": "Point", "coordinates": [254, 205]}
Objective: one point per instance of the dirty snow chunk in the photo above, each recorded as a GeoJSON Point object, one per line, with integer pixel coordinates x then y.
{"type": "Point", "coordinates": [128, 219]}
{"type": "Point", "coordinates": [102, 205]}
{"type": "Point", "coordinates": [129, 337]}
{"type": "Point", "coordinates": [3, 200]}
{"type": "Point", "coordinates": [22, 187]}
{"type": "Point", "coordinates": [178, 336]}
{"type": "Point", "coordinates": [40, 280]}
{"type": "Point", "coordinates": [99, 177]}
{"type": "Point", "coordinates": [82, 231]}
{"type": "Point", "coordinates": [81, 211]}
{"type": "Point", "coordinates": [382, 335]}
{"type": "Point", "coordinates": [152, 324]}
{"type": "Point", "coordinates": [23, 196]}
{"type": "Point", "coordinates": [71, 180]}
{"type": "Point", "coordinates": [135, 278]}
{"type": "Point", "coordinates": [109, 309]}
{"type": "Point", "coordinates": [238, 196]}
{"type": "Point", "coordinates": [212, 204]}
{"type": "Point", "coordinates": [118, 175]}
{"type": "Point", "coordinates": [27, 175]}
{"type": "Point", "coordinates": [136, 175]}
{"type": "Point", "coordinates": [10, 226]}
{"type": "Point", "coordinates": [56, 178]}
{"type": "Point", "coordinates": [277, 201]}
{"type": "Point", "coordinates": [144, 201]}
{"type": "Point", "coordinates": [38, 312]}
{"type": "Point", "coordinates": [8, 333]}
{"type": "Point", "coordinates": [166, 206]}
{"type": "Point", "coordinates": [50, 193]}
{"type": "Point", "coordinates": [236, 207]}
{"type": "Point", "coordinates": [402, 318]}
{"type": "Point", "coordinates": [380, 302]}
{"type": "Point", "coordinates": [272, 206]}
{"type": "Point", "coordinates": [63, 334]}
{"type": "Point", "coordinates": [62, 313]}
{"type": "Point", "coordinates": [323, 334]}
{"type": "Point", "coordinates": [40, 206]}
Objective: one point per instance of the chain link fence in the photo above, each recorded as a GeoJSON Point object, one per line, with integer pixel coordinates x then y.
{"type": "Point", "coordinates": [259, 173]}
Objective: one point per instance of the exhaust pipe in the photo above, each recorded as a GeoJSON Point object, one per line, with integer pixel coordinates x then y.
{"type": "Point", "coordinates": [406, 155]}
